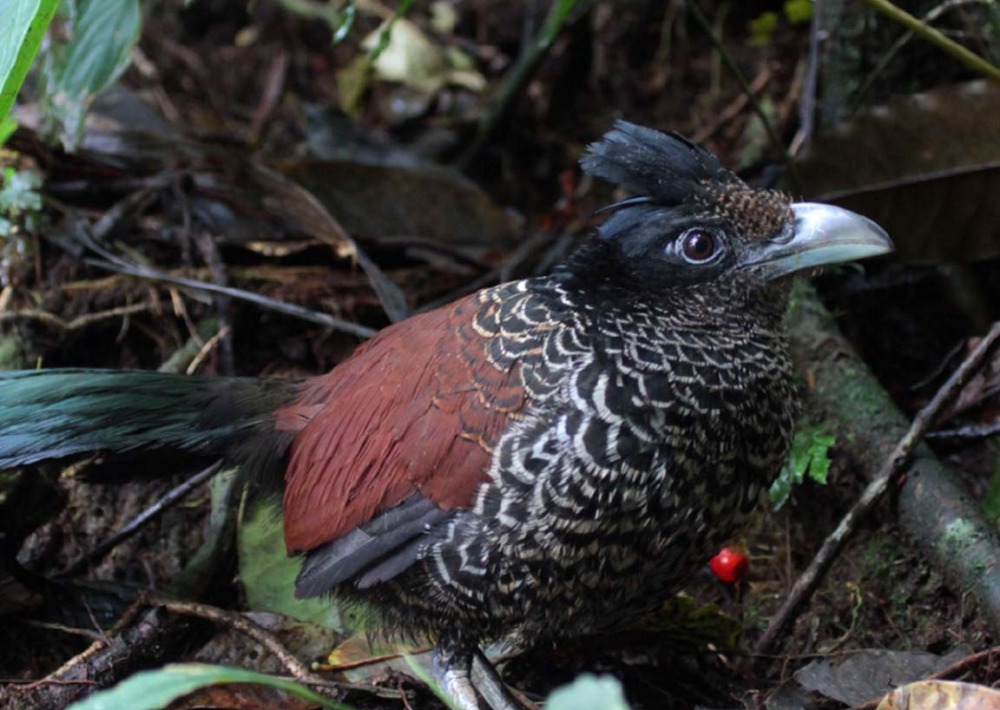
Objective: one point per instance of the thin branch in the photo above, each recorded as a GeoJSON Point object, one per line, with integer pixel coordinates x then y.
{"type": "Point", "coordinates": [137, 523]}
{"type": "Point", "coordinates": [734, 68]}
{"type": "Point", "coordinates": [112, 262]}
{"type": "Point", "coordinates": [519, 74]}
{"type": "Point", "coordinates": [891, 53]}
{"type": "Point", "coordinates": [238, 622]}
{"type": "Point", "coordinates": [924, 31]}
{"type": "Point", "coordinates": [206, 349]}
{"type": "Point", "coordinates": [82, 658]}
{"type": "Point", "coordinates": [955, 670]}
{"type": "Point", "coordinates": [77, 323]}
{"type": "Point", "coordinates": [807, 583]}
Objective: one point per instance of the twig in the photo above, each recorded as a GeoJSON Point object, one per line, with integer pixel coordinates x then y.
{"type": "Point", "coordinates": [137, 523]}
{"type": "Point", "coordinates": [213, 258]}
{"type": "Point", "coordinates": [807, 106]}
{"type": "Point", "coordinates": [806, 584]}
{"type": "Point", "coordinates": [133, 645]}
{"type": "Point", "coordinates": [50, 626]}
{"type": "Point", "coordinates": [973, 431]}
{"type": "Point", "coordinates": [77, 323]}
{"type": "Point", "coordinates": [206, 349]}
{"type": "Point", "coordinates": [113, 262]}
{"type": "Point", "coordinates": [948, 673]}
{"type": "Point", "coordinates": [238, 622]}
{"type": "Point", "coordinates": [883, 62]}
{"type": "Point", "coordinates": [734, 68]}
{"type": "Point", "coordinates": [274, 86]}
{"type": "Point", "coordinates": [124, 621]}
{"type": "Point", "coordinates": [498, 274]}
{"type": "Point", "coordinates": [733, 109]}
{"type": "Point", "coordinates": [521, 72]}
{"type": "Point", "coordinates": [201, 332]}
{"type": "Point", "coordinates": [962, 665]}
{"type": "Point", "coordinates": [924, 31]}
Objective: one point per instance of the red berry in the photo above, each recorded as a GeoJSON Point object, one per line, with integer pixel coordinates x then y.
{"type": "Point", "coordinates": [730, 565]}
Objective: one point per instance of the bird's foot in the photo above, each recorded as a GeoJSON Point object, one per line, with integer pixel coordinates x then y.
{"type": "Point", "coordinates": [490, 685]}
{"type": "Point", "coordinates": [470, 680]}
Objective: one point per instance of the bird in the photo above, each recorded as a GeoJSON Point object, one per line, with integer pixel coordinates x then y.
{"type": "Point", "coordinates": [547, 457]}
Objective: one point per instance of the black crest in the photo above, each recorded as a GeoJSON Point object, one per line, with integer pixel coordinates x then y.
{"type": "Point", "coordinates": [667, 171]}
{"type": "Point", "coordinates": [663, 167]}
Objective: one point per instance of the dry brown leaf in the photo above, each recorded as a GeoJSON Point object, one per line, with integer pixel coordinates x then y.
{"type": "Point", "coordinates": [926, 167]}
{"type": "Point", "coordinates": [941, 695]}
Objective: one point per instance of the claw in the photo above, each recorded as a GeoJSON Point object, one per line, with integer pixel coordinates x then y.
{"type": "Point", "coordinates": [470, 680]}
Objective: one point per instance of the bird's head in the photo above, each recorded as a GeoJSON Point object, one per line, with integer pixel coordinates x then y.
{"type": "Point", "coordinates": [692, 222]}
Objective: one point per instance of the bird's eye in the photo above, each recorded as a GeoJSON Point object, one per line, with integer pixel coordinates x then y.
{"type": "Point", "coordinates": [698, 246]}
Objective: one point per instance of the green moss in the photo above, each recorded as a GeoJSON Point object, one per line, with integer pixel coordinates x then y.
{"type": "Point", "coordinates": [862, 397]}
{"type": "Point", "coordinates": [958, 534]}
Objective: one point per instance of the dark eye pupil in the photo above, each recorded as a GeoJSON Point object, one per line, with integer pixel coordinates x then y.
{"type": "Point", "coordinates": [699, 246]}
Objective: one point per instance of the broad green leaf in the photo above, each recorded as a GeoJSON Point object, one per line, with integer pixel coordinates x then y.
{"type": "Point", "coordinates": [7, 127]}
{"type": "Point", "coordinates": [268, 573]}
{"type": "Point", "coordinates": [588, 692]}
{"type": "Point", "coordinates": [102, 35]}
{"type": "Point", "coordinates": [410, 57]}
{"type": "Point", "coordinates": [152, 690]}
{"type": "Point", "coordinates": [24, 24]}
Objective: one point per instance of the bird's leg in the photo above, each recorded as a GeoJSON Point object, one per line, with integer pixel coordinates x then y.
{"type": "Point", "coordinates": [490, 685]}
{"type": "Point", "coordinates": [453, 667]}
{"type": "Point", "coordinates": [461, 677]}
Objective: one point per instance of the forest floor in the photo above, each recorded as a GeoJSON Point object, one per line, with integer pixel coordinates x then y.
{"type": "Point", "coordinates": [183, 165]}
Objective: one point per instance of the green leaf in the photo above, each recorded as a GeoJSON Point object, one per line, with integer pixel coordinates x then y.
{"type": "Point", "coordinates": [268, 573]}
{"type": "Point", "coordinates": [21, 32]}
{"type": "Point", "coordinates": [386, 33]}
{"type": "Point", "coordinates": [809, 456]}
{"type": "Point", "coordinates": [102, 36]}
{"type": "Point", "coordinates": [152, 690]}
{"type": "Point", "coordinates": [762, 29]}
{"type": "Point", "coordinates": [798, 11]}
{"type": "Point", "coordinates": [555, 20]}
{"type": "Point", "coordinates": [341, 31]}
{"type": "Point", "coordinates": [7, 127]}
{"type": "Point", "coordinates": [588, 692]}
{"type": "Point", "coordinates": [338, 16]}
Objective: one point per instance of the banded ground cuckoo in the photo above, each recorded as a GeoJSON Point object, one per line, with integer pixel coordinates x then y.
{"type": "Point", "coordinates": [546, 457]}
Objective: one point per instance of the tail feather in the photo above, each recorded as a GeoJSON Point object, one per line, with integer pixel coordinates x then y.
{"type": "Point", "coordinates": [57, 414]}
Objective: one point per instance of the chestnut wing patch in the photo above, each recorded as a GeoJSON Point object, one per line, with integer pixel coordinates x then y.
{"type": "Point", "coordinates": [417, 409]}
